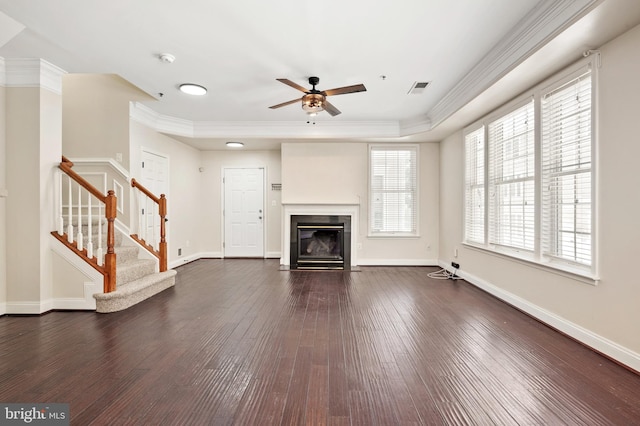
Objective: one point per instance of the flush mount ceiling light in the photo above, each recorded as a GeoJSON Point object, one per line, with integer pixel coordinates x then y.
{"type": "Point", "coordinates": [235, 144]}
{"type": "Point", "coordinates": [193, 89]}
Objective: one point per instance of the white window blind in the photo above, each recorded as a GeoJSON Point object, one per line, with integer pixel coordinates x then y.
{"type": "Point", "coordinates": [566, 172]}
{"type": "Point", "coordinates": [393, 190]}
{"type": "Point", "coordinates": [474, 187]}
{"type": "Point", "coordinates": [511, 182]}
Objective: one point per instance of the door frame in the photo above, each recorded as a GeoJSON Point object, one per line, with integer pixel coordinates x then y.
{"type": "Point", "coordinates": [222, 206]}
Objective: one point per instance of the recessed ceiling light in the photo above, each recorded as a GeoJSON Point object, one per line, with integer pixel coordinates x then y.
{"type": "Point", "coordinates": [193, 89]}
{"type": "Point", "coordinates": [235, 144]}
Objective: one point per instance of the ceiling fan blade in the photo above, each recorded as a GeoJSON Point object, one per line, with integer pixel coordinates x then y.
{"type": "Point", "coordinates": [293, 101]}
{"type": "Point", "coordinates": [292, 84]}
{"type": "Point", "coordinates": [344, 90]}
{"type": "Point", "coordinates": [330, 108]}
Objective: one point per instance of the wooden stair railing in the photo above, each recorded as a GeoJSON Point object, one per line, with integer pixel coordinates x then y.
{"type": "Point", "coordinates": [107, 265]}
{"type": "Point", "coordinates": [161, 202]}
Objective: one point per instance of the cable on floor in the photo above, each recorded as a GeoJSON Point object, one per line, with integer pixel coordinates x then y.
{"type": "Point", "coordinates": [443, 274]}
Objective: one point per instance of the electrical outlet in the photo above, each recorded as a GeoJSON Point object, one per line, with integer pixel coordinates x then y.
{"type": "Point", "coordinates": [179, 252]}
{"type": "Point", "coordinates": [455, 265]}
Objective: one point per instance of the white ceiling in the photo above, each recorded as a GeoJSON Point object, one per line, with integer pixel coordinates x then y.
{"type": "Point", "coordinates": [238, 49]}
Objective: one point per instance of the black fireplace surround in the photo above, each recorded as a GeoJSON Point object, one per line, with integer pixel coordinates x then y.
{"type": "Point", "coordinates": [320, 242]}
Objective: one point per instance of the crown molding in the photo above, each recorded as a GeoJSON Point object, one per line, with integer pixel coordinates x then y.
{"type": "Point", "coordinates": [251, 129]}
{"type": "Point", "coordinates": [415, 125]}
{"type": "Point", "coordinates": [27, 72]}
{"type": "Point", "coordinates": [545, 21]}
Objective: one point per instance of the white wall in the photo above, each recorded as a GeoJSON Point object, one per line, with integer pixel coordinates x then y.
{"type": "Point", "coordinates": [607, 315]}
{"type": "Point", "coordinates": [337, 173]}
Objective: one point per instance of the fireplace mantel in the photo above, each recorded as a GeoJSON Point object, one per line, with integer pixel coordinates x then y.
{"type": "Point", "coordinates": [292, 209]}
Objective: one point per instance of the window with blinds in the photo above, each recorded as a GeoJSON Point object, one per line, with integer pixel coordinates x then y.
{"type": "Point", "coordinates": [566, 171]}
{"type": "Point", "coordinates": [511, 179]}
{"type": "Point", "coordinates": [529, 177]}
{"type": "Point", "coordinates": [393, 181]}
{"type": "Point", "coordinates": [474, 187]}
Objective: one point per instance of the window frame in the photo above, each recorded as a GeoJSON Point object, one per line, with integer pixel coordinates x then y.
{"type": "Point", "coordinates": [416, 192]}
{"type": "Point", "coordinates": [490, 164]}
{"type": "Point", "coordinates": [537, 257]}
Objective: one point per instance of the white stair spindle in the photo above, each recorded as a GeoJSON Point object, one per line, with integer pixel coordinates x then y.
{"type": "Point", "coordinates": [60, 219]}
{"type": "Point", "coordinates": [140, 215]}
{"type": "Point", "coordinates": [153, 224]}
{"type": "Point", "coordinates": [145, 216]}
{"type": "Point", "coordinates": [89, 227]}
{"type": "Point", "coordinates": [70, 214]}
{"type": "Point", "coordinates": [79, 237]}
{"type": "Point", "coordinates": [99, 251]}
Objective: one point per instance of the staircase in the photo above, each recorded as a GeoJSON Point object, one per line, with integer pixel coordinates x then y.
{"type": "Point", "coordinates": [136, 277]}
{"type": "Point", "coordinates": [128, 263]}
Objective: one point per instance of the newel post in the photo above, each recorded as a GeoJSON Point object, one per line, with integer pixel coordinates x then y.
{"type": "Point", "coordinates": [110, 257]}
{"type": "Point", "coordinates": [162, 209]}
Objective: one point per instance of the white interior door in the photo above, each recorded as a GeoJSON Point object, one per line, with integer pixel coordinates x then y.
{"type": "Point", "coordinates": [155, 170]}
{"type": "Point", "coordinates": [244, 212]}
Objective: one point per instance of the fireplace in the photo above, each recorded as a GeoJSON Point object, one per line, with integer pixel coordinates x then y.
{"type": "Point", "coordinates": [320, 242]}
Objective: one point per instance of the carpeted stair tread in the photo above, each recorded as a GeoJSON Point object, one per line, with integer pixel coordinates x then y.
{"type": "Point", "coordinates": [134, 292]}
{"type": "Point", "coordinates": [136, 279]}
{"type": "Point", "coordinates": [133, 270]}
{"type": "Point", "coordinates": [126, 254]}
{"type": "Point", "coordinates": [95, 219]}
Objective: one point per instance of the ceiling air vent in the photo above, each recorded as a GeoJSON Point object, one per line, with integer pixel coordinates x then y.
{"type": "Point", "coordinates": [418, 87]}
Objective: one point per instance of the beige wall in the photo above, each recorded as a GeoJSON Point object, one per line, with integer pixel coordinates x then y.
{"type": "Point", "coordinates": [324, 173]}
{"type": "Point", "coordinates": [3, 203]}
{"type": "Point", "coordinates": [183, 195]}
{"type": "Point", "coordinates": [604, 315]}
{"type": "Point", "coordinates": [195, 197]}
{"type": "Point", "coordinates": [33, 143]}
{"type": "Point", "coordinates": [213, 163]}
{"type": "Point", "coordinates": [337, 173]}
{"type": "Point", "coordinates": [96, 115]}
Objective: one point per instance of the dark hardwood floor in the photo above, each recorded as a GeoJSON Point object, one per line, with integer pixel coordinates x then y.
{"type": "Point", "coordinates": [241, 342]}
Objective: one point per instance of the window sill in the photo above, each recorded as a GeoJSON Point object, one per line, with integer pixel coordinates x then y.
{"type": "Point", "coordinates": [564, 270]}
{"type": "Point", "coordinates": [391, 236]}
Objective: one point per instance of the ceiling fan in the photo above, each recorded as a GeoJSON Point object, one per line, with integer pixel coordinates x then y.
{"type": "Point", "coordinates": [315, 101]}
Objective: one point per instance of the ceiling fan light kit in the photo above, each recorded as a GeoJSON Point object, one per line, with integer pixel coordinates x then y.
{"type": "Point", "coordinates": [193, 89]}
{"type": "Point", "coordinates": [315, 101]}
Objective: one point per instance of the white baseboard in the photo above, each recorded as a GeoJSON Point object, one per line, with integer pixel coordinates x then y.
{"type": "Point", "coordinates": [75, 304]}
{"type": "Point", "coordinates": [3, 308]}
{"type": "Point", "coordinates": [187, 259]}
{"type": "Point", "coordinates": [212, 255]}
{"type": "Point", "coordinates": [24, 308]}
{"type": "Point", "coordinates": [600, 344]}
{"type": "Point", "coordinates": [397, 262]}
